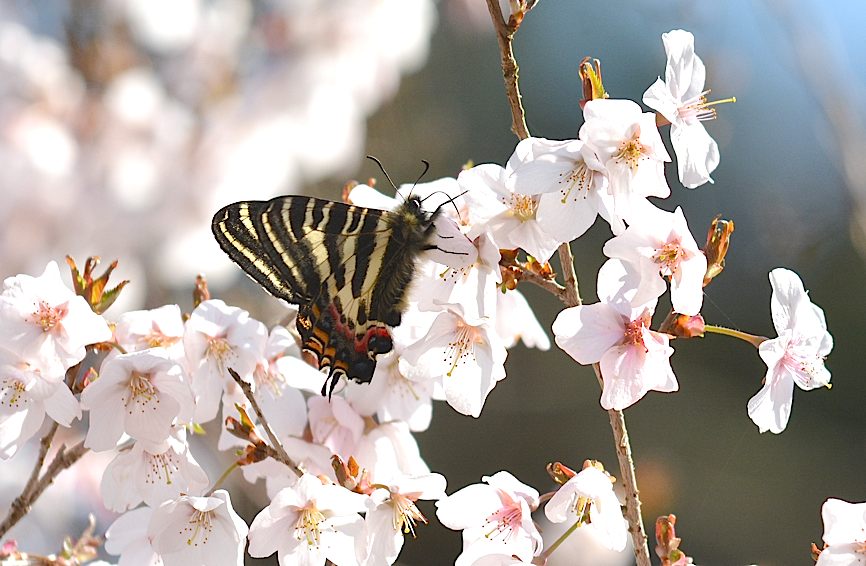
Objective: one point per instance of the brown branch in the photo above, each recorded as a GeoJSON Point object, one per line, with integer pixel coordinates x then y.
{"type": "Point", "coordinates": [569, 294]}
{"type": "Point", "coordinates": [504, 35]}
{"type": "Point", "coordinates": [34, 488]}
{"type": "Point", "coordinates": [549, 285]}
{"type": "Point", "coordinates": [572, 295]}
{"type": "Point", "coordinates": [279, 453]}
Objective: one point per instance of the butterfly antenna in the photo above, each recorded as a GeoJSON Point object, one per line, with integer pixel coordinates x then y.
{"type": "Point", "coordinates": [382, 168]}
{"type": "Point", "coordinates": [449, 201]}
{"type": "Point", "coordinates": [424, 172]}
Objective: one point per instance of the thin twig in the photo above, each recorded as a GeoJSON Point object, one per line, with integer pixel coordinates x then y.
{"type": "Point", "coordinates": [21, 505]}
{"type": "Point", "coordinates": [549, 285]}
{"type": "Point", "coordinates": [504, 35]}
{"type": "Point", "coordinates": [629, 482]}
{"type": "Point", "coordinates": [279, 452]}
{"type": "Point", "coordinates": [572, 295]}
{"type": "Point", "coordinates": [34, 488]}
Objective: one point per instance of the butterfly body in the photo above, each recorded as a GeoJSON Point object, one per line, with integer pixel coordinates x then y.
{"type": "Point", "coordinates": [348, 268]}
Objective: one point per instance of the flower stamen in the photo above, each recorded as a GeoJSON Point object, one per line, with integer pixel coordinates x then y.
{"type": "Point", "coordinates": [201, 525]}
{"type": "Point", "coordinates": [307, 526]}
{"type": "Point", "coordinates": [699, 109]}
{"type": "Point", "coordinates": [48, 317]}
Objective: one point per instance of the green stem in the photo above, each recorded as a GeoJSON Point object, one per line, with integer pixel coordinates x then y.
{"type": "Point", "coordinates": [546, 554]}
{"type": "Point", "coordinates": [223, 477]}
{"type": "Point", "coordinates": [750, 338]}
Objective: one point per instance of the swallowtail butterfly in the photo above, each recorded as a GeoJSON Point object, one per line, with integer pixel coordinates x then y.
{"type": "Point", "coordinates": [347, 267]}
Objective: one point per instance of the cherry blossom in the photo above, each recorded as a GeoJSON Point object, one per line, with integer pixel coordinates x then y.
{"type": "Point", "coordinates": [392, 396]}
{"type": "Point", "coordinates": [219, 337]}
{"type": "Point", "coordinates": [633, 359]}
{"type": "Point", "coordinates": [128, 538]}
{"type": "Point", "coordinates": [465, 354]}
{"type": "Point", "coordinates": [284, 405]}
{"type": "Point", "coordinates": [515, 320]}
{"type": "Point", "coordinates": [156, 328]}
{"type": "Point", "coordinates": [510, 217]}
{"type": "Point", "coordinates": [628, 143]}
{"type": "Point", "coordinates": [141, 393]}
{"type": "Point", "coordinates": [795, 356]}
{"type": "Point", "coordinates": [681, 99]}
{"type": "Point", "coordinates": [198, 530]}
{"type": "Point", "coordinates": [392, 513]}
{"type": "Point", "coordinates": [25, 398]}
{"type": "Point", "coordinates": [335, 424]}
{"type": "Point", "coordinates": [46, 322]}
{"type": "Point", "coordinates": [309, 523]}
{"type": "Point", "coordinates": [152, 473]}
{"type": "Point", "coordinates": [658, 244]}
{"type": "Point", "coordinates": [589, 498]}
{"type": "Point", "coordinates": [389, 451]}
{"type": "Point", "coordinates": [497, 512]}
{"type": "Point", "coordinates": [475, 286]}
{"type": "Point", "coordinates": [844, 534]}
{"type": "Point", "coordinates": [572, 183]}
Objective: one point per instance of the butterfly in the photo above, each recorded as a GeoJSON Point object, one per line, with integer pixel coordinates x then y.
{"type": "Point", "coordinates": [347, 267]}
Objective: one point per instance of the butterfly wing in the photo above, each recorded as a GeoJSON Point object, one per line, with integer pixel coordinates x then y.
{"type": "Point", "coordinates": [347, 267]}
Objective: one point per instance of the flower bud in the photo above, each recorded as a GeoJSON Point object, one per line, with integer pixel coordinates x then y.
{"type": "Point", "coordinates": [667, 543]}
{"type": "Point", "coordinates": [718, 240]}
{"type": "Point", "coordinates": [590, 77]}
{"type": "Point", "coordinates": [94, 290]}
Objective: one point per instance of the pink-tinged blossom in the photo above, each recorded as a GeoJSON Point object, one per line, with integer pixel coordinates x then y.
{"type": "Point", "coordinates": [475, 286]}
{"type": "Point", "coordinates": [627, 141]}
{"type": "Point", "coordinates": [335, 424]}
{"type": "Point", "coordinates": [681, 99]}
{"type": "Point", "coordinates": [391, 396]}
{"type": "Point", "coordinates": [844, 534]}
{"type": "Point", "coordinates": [658, 245]}
{"type": "Point", "coordinates": [572, 183]}
{"type": "Point", "coordinates": [515, 320]}
{"type": "Point", "coordinates": [313, 458]}
{"type": "Point", "coordinates": [284, 405]}
{"type": "Point", "coordinates": [47, 323]}
{"type": "Point", "coordinates": [497, 512]}
{"type": "Point", "coordinates": [155, 328]}
{"type": "Point", "coordinates": [308, 524]}
{"type": "Point", "coordinates": [509, 216]}
{"type": "Point", "coordinates": [633, 359]}
{"type": "Point", "coordinates": [25, 398]}
{"type": "Point", "coordinates": [589, 498]}
{"type": "Point", "coordinates": [796, 356]}
{"type": "Point", "coordinates": [465, 354]}
{"type": "Point", "coordinates": [128, 538]}
{"type": "Point", "coordinates": [152, 473]}
{"type": "Point", "coordinates": [390, 451]}
{"type": "Point", "coordinates": [219, 337]}
{"type": "Point", "coordinates": [198, 530]}
{"type": "Point", "coordinates": [142, 394]}
{"type": "Point", "coordinates": [391, 514]}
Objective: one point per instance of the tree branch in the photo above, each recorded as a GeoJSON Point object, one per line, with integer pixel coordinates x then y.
{"type": "Point", "coordinates": [36, 484]}
{"type": "Point", "coordinates": [278, 452]}
{"type": "Point", "coordinates": [504, 35]}
{"type": "Point", "coordinates": [570, 296]}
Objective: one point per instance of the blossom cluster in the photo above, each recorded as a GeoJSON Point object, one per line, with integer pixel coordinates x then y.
{"type": "Point", "coordinates": [136, 110]}
{"type": "Point", "coordinates": [348, 489]}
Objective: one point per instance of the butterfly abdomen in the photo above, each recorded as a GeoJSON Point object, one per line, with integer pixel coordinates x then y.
{"type": "Point", "coordinates": [412, 231]}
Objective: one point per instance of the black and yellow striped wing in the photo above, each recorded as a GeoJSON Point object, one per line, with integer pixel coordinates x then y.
{"type": "Point", "coordinates": [347, 267]}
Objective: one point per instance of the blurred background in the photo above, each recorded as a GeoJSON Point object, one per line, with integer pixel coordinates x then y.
{"type": "Point", "coordinates": [124, 124]}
